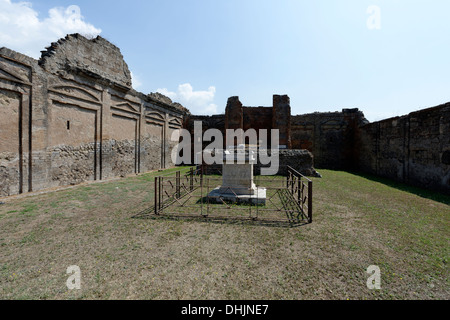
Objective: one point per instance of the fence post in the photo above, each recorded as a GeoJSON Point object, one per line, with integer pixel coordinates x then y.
{"type": "Point", "coordinates": [156, 195]}
{"type": "Point", "coordinates": [201, 193]}
{"type": "Point", "coordinates": [310, 201]}
{"type": "Point", "coordinates": [292, 183]}
{"type": "Point", "coordinates": [159, 194]}
{"type": "Point", "coordinates": [178, 185]}
{"type": "Point", "coordinates": [288, 177]}
{"type": "Point", "coordinates": [192, 180]}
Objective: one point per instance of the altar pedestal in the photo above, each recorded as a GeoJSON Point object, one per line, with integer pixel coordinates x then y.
{"type": "Point", "coordinates": [237, 181]}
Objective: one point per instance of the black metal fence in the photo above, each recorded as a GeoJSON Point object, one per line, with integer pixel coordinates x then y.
{"type": "Point", "coordinates": [186, 194]}
{"type": "Point", "coordinates": [301, 189]}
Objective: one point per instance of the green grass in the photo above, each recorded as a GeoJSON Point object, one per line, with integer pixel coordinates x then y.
{"type": "Point", "coordinates": [359, 220]}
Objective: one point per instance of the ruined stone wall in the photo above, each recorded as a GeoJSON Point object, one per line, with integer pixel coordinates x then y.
{"type": "Point", "coordinates": [257, 118]}
{"type": "Point", "coordinates": [234, 114]}
{"type": "Point", "coordinates": [281, 119]}
{"type": "Point", "coordinates": [414, 149]}
{"type": "Point", "coordinates": [300, 160]}
{"type": "Point", "coordinates": [240, 117]}
{"type": "Point", "coordinates": [97, 57]}
{"type": "Point", "coordinates": [17, 110]}
{"type": "Point", "coordinates": [329, 136]}
{"type": "Point", "coordinates": [208, 122]}
{"type": "Point", "coordinates": [276, 117]}
{"type": "Point", "coordinates": [72, 117]}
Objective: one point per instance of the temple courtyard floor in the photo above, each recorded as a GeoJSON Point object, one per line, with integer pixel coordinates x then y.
{"type": "Point", "coordinates": [358, 221]}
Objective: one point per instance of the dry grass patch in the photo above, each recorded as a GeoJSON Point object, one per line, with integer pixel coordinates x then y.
{"type": "Point", "coordinates": [358, 221]}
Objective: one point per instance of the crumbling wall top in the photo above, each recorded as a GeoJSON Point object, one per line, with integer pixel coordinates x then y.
{"type": "Point", "coordinates": [97, 58]}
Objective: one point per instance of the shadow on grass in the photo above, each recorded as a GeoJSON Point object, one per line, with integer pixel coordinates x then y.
{"type": "Point", "coordinates": [421, 192]}
{"type": "Point", "coordinates": [149, 215]}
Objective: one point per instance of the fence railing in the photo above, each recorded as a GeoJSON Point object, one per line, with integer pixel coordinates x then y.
{"type": "Point", "coordinates": [187, 194]}
{"type": "Point", "coordinates": [168, 190]}
{"type": "Point", "coordinates": [301, 189]}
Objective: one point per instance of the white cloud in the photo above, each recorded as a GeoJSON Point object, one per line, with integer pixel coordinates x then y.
{"type": "Point", "coordinates": [198, 102]}
{"type": "Point", "coordinates": [137, 83]}
{"type": "Point", "coordinates": [22, 30]}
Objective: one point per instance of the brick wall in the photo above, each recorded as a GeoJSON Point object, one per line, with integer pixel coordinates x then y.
{"type": "Point", "coordinates": [414, 149]}
{"type": "Point", "coordinates": [73, 116]}
{"type": "Point", "coordinates": [330, 136]}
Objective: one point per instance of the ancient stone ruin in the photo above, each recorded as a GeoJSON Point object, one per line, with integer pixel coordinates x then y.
{"type": "Point", "coordinates": [72, 116]}
{"type": "Point", "coordinates": [414, 149]}
{"type": "Point", "coordinates": [238, 179]}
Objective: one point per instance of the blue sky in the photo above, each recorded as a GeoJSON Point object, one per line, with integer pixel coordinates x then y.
{"type": "Point", "coordinates": [321, 53]}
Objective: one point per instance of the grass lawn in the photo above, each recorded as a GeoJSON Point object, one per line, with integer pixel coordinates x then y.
{"type": "Point", "coordinates": [359, 221]}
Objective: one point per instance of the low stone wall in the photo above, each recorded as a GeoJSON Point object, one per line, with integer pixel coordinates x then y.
{"type": "Point", "coordinates": [300, 160]}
